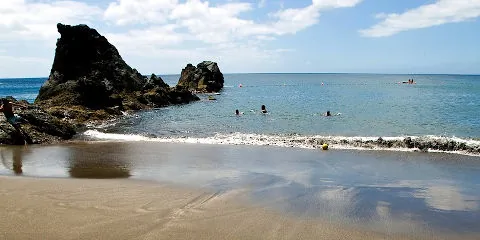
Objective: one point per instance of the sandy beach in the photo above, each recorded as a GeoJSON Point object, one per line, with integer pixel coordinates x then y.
{"type": "Point", "coordinates": [43, 208]}
{"type": "Point", "coordinates": [182, 191]}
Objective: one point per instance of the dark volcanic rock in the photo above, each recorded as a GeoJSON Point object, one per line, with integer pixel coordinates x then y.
{"type": "Point", "coordinates": [408, 142]}
{"type": "Point", "coordinates": [40, 127]}
{"type": "Point", "coordinates": [155, 82]}
{"type": "Point", "coordinates": [87, 70]}
{"type": "Point", "coordinates": [89, 80]}
{"type": "Point", "coordinates": [206, 77]}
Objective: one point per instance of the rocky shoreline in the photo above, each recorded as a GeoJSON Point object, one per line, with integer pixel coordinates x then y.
{"type": "Point", "coordinates": [414, 143]}
{"type": "Point", "coordinates": [90, 83]}
{"type": "Point", "coordinates": [421, 143]}
{"type": "Point", "coordinates": [41, 127]}
{"type": "Point", "coordinates": [424, 144]}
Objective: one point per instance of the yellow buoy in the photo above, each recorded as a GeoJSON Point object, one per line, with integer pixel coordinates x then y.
{"type": "Point", "coordinates": [325, 146]}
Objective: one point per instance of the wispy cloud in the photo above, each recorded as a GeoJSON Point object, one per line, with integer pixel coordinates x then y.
{"type": "Point", "coordinates": [438, 13]}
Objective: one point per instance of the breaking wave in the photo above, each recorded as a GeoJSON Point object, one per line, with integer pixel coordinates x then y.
{"type": "Point", "coordinates": [408, 143]}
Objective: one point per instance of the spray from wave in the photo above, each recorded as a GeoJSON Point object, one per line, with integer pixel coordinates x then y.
{"type": "Point", "coordinates": [412, 143]}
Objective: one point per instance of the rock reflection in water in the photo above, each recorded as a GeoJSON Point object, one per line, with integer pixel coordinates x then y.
{"type": "Point", "coordinates": [13, 157]}
{"type": "Point", "coordinates": [17, 161]}
{"type": "Point", "coordinates": [99, 161]}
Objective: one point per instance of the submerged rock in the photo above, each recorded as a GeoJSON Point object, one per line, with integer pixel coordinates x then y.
{"type": "Point", "coordinates": [206, 77]}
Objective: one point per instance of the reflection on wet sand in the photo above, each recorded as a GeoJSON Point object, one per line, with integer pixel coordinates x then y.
{"type": "Point", "coordinates": [98, 161]}
{"type": "Point", "coordinates": [13, 159]}
{"type": "Point", "coordinates": [17, 161]}
{"type": "Point", "coordinates": [384, 191]}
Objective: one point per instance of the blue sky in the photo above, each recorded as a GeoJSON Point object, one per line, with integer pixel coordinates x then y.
{"type": "Point", "coordinates": [162, 36]}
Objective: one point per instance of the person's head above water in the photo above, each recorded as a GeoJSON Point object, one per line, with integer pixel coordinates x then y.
{"type": "Point", "coordinates": [264, 109]}
{"type": "Point", "coordinates": [237, 112]}
{"type": "Point", "coordinates": [328, 113]}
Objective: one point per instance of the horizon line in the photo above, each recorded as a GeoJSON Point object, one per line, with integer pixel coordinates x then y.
{"type": "Point", "coordinates": [229, 73]}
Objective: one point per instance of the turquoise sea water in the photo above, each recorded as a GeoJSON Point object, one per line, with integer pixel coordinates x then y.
{"type": "Point", "coordinates": [368, 105]}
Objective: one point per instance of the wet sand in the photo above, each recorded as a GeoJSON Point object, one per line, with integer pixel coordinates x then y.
{"type": "Point", "coordinates": [201, 191]}
{"type": "Point", "coordinates": [46, 208]}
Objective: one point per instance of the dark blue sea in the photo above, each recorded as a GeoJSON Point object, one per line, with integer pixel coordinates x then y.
{"type": "Point", "coordinates": [21, 88]}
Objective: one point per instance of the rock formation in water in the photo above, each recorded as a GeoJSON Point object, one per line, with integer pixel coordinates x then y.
{"type": "Point", "coordinates": [38, 127]}
{"type": "Point", "coordinates": [89, 80]}
{"type": "Point", "coordinates": [206, 77]}
{"type": "Point", "coordinates": [88, 71]}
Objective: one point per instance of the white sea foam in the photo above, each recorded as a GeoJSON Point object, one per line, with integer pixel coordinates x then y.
{"type": "Point", "coordinates": [307, 142]}
{"type": "Point", "coordinates": [115, 137]}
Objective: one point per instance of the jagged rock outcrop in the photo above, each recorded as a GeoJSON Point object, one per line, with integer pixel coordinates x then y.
{"type": "Point", "coordinates": [89, 80]}
{"type": "Point", "coordinates": [206, 77]}
{"type": "Point", "coordinates": [87, 71]}
{"type": "Point", "coordinates": [39, 126]}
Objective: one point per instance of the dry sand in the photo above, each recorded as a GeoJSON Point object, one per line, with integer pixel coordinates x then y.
{"type": "Point", "coordinates": [41, 208]}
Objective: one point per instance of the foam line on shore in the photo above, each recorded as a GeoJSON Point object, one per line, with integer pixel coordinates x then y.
{"type": "Point", "coordinates": [429, 143]}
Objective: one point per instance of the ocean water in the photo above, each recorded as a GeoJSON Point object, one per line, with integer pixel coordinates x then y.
{"type": "Point", "coordinates": [366, 106]}
{"type": "Point", "coordinates": [393, 192]}
{"type": "Point", "coordinates": [21, 88]}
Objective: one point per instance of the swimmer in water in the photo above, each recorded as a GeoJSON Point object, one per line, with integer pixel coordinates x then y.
{"type": "Point", "coordinates": [264, 109]}
{"type": "Point", "coordinates": [329, 114]}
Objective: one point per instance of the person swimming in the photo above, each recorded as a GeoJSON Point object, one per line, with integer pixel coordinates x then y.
{"type": "Point", "coordinates": [327, 114]}
{"type": "Point", "coordinates": [264, 109]}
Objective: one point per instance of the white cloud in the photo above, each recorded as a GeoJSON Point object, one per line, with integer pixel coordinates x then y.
{"type": "Point", "coordinates": [335, 3]}
{"type": "Point", "coordinates": [220, 23]}
{"type": "Point", "coordinates": [156, 36]}
{"type": "Point", "coordinates": [37, 20]}
{"type": "Point", "coordinates": [124, 12]}
{"type": "Point", "coordinates": [438, 13]}
{"type": "Point", "coordinates": [211, 24]}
